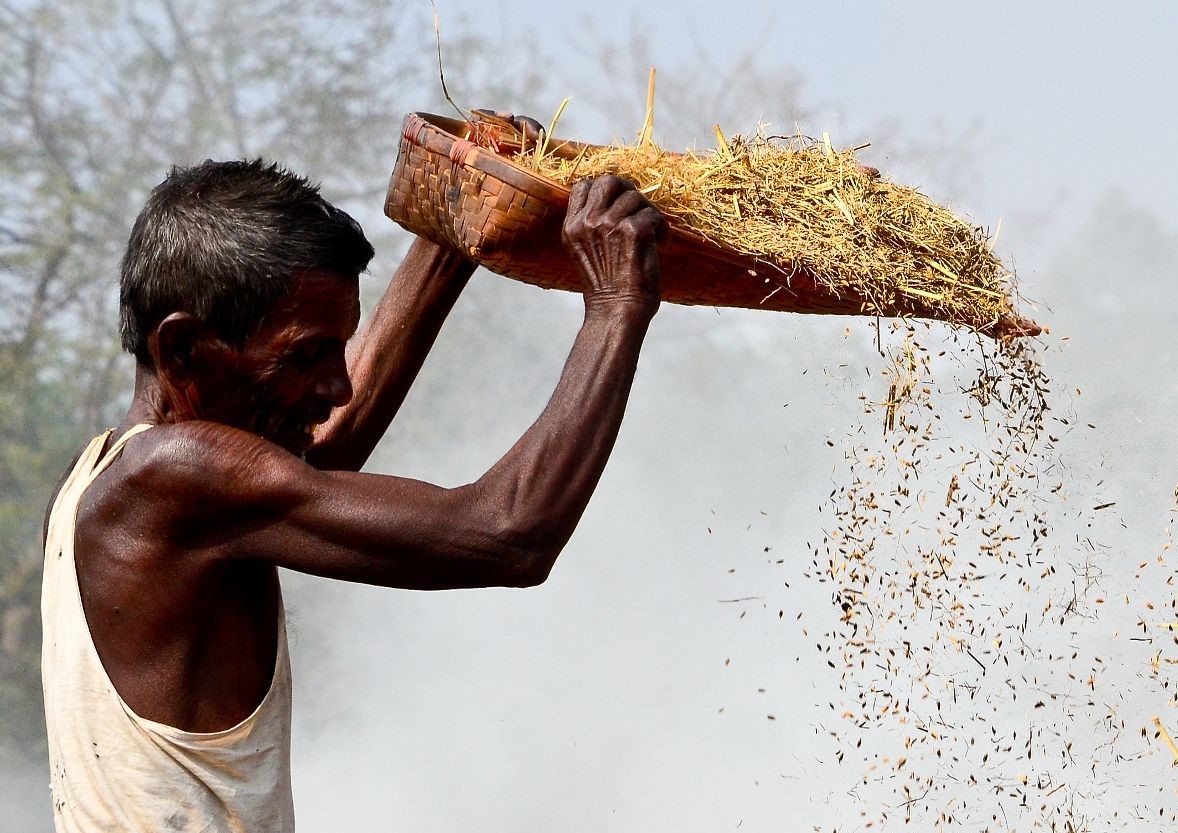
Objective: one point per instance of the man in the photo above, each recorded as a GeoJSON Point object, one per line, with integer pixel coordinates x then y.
{"type": "Point", "coordinates": [165, 667]}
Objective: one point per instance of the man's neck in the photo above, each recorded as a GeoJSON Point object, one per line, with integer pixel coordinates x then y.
{"type": "Point", "coordinates": [146, 401]}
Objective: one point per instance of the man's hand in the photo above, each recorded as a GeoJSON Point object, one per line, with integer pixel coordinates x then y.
{"type": "Point", "coordinates": [610, 232]}
{"type": "Point", "coordinates": [528, 128]}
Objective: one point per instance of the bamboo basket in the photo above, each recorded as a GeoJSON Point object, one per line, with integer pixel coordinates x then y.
{"type": "Point", "coordinates": [459, 193]}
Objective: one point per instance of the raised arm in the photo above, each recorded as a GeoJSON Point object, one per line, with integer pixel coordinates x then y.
{"type": "Point", "coordinates": [386, 356]}
{"type": "Point", "coordinates": [508, 527]}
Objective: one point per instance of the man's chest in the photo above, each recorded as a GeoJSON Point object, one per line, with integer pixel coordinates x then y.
{"type": "Point", "coordinates": [188, 644]}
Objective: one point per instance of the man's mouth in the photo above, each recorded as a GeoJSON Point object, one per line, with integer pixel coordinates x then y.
{"type": "Point", "coordinates": [301, 429]}
{"type": "Point", "coordinates": [302, 426]}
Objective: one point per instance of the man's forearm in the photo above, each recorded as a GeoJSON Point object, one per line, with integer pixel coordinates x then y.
{"type": "Point", "coordinates": [541, 487]}
{"type": "Point", "coordinates": [384, 359]}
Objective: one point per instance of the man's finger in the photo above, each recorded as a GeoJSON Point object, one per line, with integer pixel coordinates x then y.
{"type": "Point", "coordinates": [578, 194]}
{"type": "Point", "coordinates": [604, 190]}
{"type": "Point", "coordinates": [650, 217]}
{"type": "Point", "coordinates": [662, 228]}
{"type": "Point", "coordinates": [627, 203]}
{"type": "Point", "coordinates": [529, 128]}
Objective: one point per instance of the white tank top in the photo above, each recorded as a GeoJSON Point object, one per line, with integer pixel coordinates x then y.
{"type": "Point", "coordinates": [112, 770]}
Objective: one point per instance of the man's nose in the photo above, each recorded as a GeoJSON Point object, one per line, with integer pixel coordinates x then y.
{"type": "Point", "coordinates": [336, 387]}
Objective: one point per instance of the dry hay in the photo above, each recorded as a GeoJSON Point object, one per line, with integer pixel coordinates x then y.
{"type": "Point", "coordinates": [801, 204]}
{"type": "Point", "coordinates": [935, 547]}
{"type": "Point", "coordinates": [971, 692]}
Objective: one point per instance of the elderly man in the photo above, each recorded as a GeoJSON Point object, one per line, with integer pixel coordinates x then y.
{"type": "Point", "coordinates": [167, 684]}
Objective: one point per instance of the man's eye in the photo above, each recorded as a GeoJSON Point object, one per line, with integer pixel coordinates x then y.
{"type": "Point", "coordinates": [305, 356]}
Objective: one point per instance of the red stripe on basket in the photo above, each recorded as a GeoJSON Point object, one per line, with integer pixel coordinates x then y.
{"type": "Point", "coordinates": [412, 128]}
{"type": "Point", "coordinates": [459, 151]}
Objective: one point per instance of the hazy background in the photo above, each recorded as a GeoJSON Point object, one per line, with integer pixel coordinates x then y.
{"type": "Point", "coordinates": [626, 693]}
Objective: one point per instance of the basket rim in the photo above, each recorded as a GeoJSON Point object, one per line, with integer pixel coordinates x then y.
{"type": "Point", "coordinates": [443, 135]}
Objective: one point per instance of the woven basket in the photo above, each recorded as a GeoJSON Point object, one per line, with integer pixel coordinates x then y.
{"type": "Point", "coordinates": [456, 193]}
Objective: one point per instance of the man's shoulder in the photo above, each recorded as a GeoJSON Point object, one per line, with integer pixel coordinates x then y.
{"type": "Point", "coordinates": [201, 467]}
{"type": "Point", "coordinates": [190, 452]}
{"type": "Point", "coordinates": [182, 480]}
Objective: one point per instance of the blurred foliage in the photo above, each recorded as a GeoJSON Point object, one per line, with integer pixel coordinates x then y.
{"type": "Point", "coordinates": [99, 98]}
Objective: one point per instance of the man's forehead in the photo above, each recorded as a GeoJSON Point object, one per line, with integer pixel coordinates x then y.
{"type": "Point", "coordinates": [315, 279]}
{"type": "Point", "coordinates": [316, 286]}
{"type": "Point", "coordinates": [322, 301]}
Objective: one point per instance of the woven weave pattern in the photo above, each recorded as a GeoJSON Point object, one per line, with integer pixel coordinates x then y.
{"type": "Point", "coordinates": [485, 217]}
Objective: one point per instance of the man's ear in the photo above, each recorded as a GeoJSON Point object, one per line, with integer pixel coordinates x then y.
{"type": "Point", "coordinates": [176, 346]}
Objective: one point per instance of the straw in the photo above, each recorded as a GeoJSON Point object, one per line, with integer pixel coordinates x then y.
{"type": "Point", "coordinates": [801, 204]}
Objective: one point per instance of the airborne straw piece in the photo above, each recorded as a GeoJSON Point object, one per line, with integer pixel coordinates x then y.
{"type": "Point", "coordinates": [441, 73]}
{"type": "Point", "coordinates": [1166, 737]}
{"type": "Point", "coordinates": [648, 122]}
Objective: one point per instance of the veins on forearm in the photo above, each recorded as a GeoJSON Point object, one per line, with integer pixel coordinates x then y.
{"type": "Point", "coordinates": [545, 481]}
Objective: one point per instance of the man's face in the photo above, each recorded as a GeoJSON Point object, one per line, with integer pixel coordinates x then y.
{"type": "Point", "coordinates": [290, 373]}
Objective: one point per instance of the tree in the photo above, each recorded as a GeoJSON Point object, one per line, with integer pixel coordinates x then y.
{"type": "Point", "coordinates": [98, 100]}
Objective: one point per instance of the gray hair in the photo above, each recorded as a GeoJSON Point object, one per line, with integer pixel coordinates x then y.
{"type": "Point", "coordinates": [224, 241]}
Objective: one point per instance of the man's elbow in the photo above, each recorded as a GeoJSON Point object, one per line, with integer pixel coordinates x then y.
{"type": "Point", "coordinates": [530, 566]}
{"type": "Point", "coordinates": [526, 540]}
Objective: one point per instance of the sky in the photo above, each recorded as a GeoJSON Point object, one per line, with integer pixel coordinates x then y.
{"type": "Point", "coordinates": [631, 692]}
